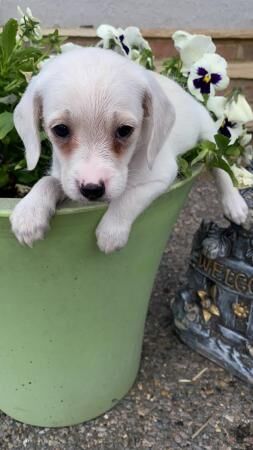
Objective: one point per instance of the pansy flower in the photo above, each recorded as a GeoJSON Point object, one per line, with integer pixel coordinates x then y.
{"type": "Point", "coordinates": [113, 38]}
{"type": "Point", "coordinates": [128, 42]}
{"type": "Point", "coordinates": [207, 75]}
{"type": "Point", "coordinates": [230, 129]}
{"type": "Point", "coordinates": [238, 109]}
{"type": "Point", "coordinates": [135, 39]}
{"type": "Point", "coordinates": [231, 117]}
{"type": "Point", "coordinates": [243, 176]}
{"type": "Point", "coordinates": [191, 48]}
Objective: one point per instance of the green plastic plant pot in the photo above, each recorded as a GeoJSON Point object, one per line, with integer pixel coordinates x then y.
{"type": "Point", "coordinates": [71, 317]}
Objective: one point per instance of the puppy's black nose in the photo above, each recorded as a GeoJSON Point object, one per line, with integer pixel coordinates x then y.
{"type": "Point", "coordinates": [92, 191]}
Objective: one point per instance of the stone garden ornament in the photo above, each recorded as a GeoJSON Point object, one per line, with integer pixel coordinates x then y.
{"type": "Point", "coordinates": [213, 312]}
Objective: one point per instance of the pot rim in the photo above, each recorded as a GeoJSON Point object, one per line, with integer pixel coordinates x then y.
{"type": "Point", "coordinates": [71, 207]}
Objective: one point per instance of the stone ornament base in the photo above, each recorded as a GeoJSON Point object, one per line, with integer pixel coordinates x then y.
{"type": "Point", "coordinates": [213, 313]}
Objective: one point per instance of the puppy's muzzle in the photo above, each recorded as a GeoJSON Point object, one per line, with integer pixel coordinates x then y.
{"type": "Point", "coordinates": [92, 191]}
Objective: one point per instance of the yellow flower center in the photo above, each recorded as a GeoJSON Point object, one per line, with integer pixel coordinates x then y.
{"type": "Point", "coordinates": [207, 78]}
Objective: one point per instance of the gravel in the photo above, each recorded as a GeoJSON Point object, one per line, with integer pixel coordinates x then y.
{"type": "Point", "coordinates": [162, 411]}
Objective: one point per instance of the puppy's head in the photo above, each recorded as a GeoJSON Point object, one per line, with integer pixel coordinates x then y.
{"type": "Point", "coordinates": [98, 109]}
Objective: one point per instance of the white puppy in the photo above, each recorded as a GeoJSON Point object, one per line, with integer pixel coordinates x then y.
{"type": "Point", "coordinates": [116, 131]}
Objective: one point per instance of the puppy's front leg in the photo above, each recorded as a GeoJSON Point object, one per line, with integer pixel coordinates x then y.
{"type": "Point", "coordinates": [30, 218]}
{"type": "Point", "coordinates": [234, 206]}
{"type": "Point", "coordinates": [113, 230]}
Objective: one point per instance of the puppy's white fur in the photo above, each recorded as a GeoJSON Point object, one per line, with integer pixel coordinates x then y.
{"type": "Point", "coordinates": [95, 91]}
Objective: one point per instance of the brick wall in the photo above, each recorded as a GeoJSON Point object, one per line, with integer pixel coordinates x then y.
{"type": "Point", "coordinates": [234, 46]}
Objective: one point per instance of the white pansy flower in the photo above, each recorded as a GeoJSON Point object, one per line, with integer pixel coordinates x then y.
{"type": "Point", "coordinates": [207, 75]}
{"type": "Point", "coordinates": [106, 33]}
{"type": "Point", "coordinates": [239, 110]}
{"type": "Point", "coordinates": [128, 41]}
{"type": "Point", "coordinates": [224, 124]}
{"type": "Point", "coordinates": [116, 36]}
{"type": "Point", "coordinates": [231, 117]}
{"type": "Point", "coordinates": [191, 48]}
{"type": "Point", "coordinates": [243, 176]}
{"type": "Point", "coordinates": [135, 38]}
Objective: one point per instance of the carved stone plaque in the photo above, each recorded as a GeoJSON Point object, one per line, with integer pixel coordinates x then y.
{"type": "Point", "coordinates": [213, 312]}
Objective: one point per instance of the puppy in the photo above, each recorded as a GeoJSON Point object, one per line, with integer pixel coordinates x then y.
{"type": "Point", "coordinates": [116, 130]}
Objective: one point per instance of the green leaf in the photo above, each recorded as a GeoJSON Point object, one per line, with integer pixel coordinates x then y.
{"type": "Point", "coordinates": [222, 142]}
{"type": "Point", "coordinates": [4, 177]}
{"type": "Point", "coordinates": [209, 145]}
{"type": "Point", "coordinates": [184, 168]}
{"type": "Point", "coordinates": [234, 151]}
{"type": "Point", "coordinates": [26, 177]}
{"type": "Point", "coordinates": [6, 123]}
{"type": "Point", "coordinates": [8, 40]}
{"type": "Point", "coordinates": [221, 163]}
{"type": "Point", "coordinates": [200, 157]}
{"type": "Point", "coordinates": [27, 53]}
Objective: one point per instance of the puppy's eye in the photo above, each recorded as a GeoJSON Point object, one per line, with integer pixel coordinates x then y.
{"type": "Point", "coordinates": [124, 132]}
{"type": "Point", "coordinates": [61, 130]}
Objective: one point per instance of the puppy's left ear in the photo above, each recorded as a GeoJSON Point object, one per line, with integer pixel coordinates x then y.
{"type": "Point", "coordinates": [159, 118]}
{"type": "Point", "coordinates": [26, 120]}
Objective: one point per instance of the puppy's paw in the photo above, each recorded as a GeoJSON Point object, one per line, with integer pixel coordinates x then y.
{"type": "Point", "coordinates": [111, 236]}
{"type": "Point", "coordinates": [30, 222]}
{"type": "Point", "coordinates": [235, 208]}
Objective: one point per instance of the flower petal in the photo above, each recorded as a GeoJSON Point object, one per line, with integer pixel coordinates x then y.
{"type": "Point", "coordinates": [192, 47]}
{"type": "Point", "coordinates": [180, 38]}
{"type": "Point", "coordinates": [20, 11]}
{"type": "Point", "coordinates": [105, 31]}
{"type": "Point", "coordinates": [217, 106]}
{"type": "Point", "coordinates": [204, 87]}
{"type": "Point", "coordinates": [243, 176]}
{"type": "Point", "coordinates": [135, 39]}
{"type": "Point", "coordinates": [235, 132]}
{"type": "Point", "coordinates": [223, 83]}
{"type": "Point", "coordinates": [193, 90]}
{"type": "Point", "coordinates": [239, 111]}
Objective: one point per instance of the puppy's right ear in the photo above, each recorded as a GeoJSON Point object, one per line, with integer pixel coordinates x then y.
{"type": "Point", "coordinates": [26, 120]}
{"type": "Point", "coordinates": [159, 118]}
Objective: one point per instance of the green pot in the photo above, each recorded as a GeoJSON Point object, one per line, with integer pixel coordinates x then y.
{"type": "Point", "coordinates": [71, 317]}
